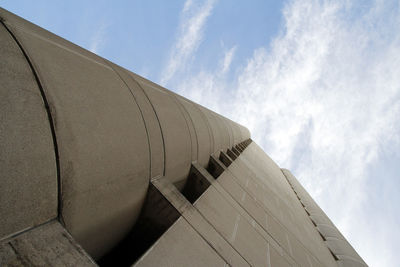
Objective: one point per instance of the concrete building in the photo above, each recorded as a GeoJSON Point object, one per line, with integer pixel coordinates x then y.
{"type": "Point", "coordinates": [101, 166]}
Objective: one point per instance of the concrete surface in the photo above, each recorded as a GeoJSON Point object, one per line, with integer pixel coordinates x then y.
{"type": "Point", "coordinates": [188, 249]}
{"type": "Point", "coordinates": [114, 132]}
{"type": "Point", "coordinates": [45, 245]}
{"type": "Point", "coordinates": [28, 173]}
{"type": "Point", "coordinates": [128, 167]}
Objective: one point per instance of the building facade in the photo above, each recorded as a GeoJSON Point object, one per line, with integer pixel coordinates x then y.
{"type": "Point", "coordinates": [100, 166]}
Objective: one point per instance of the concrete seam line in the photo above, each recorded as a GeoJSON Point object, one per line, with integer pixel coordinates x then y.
{"type": "Point", "coordinates": [23, 231]}
{"type": "Point", "coordinates": [50, 118]}
{"type": "Point", "coordinates": [158, 120]}
{"type": "Point", "coordinates": [195, 132]}
{"type": "Point", "coordinates": [265, 209]}
{"type": "Point", "coordinates": [223, 237]}
{"type": "Point", "coordinates": [187, 123]}
{"type": "Point", "coordinates": [140, 110]}
{"type": "Point", "coordinates": [207, 119]}
{"type": "Point", "coordinates": [182, 110]}
{"type": "Point", "coordinates": [208, 242]}
{"type": "Point", "coordinates": [210, 133]}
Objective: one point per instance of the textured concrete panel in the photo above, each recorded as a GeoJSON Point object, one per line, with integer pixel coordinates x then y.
{"type": "Point", "coordinates": [218, 212]}
{"type": "Point", "coordinates": [177, 142]}
{"type": "Point", "coordinates": [153, 128]}
{"type": "Point", "coordinates": [279, 233]}
{"type": "Point", "coordinates": [104, 155]}
{"type": "Point", "coordinates": [276, 260]}
{"type": "Point", "coordinates": [244, 213]}
{"type": "Point", "coordinates": [299, 252]}
{"type": "Point", "coordinates": [251, 245]}
{"type": "Point", "coordinates": [28, 175]}
{"type": "Point", "coordinates": [208, 232]}
{"type": "Point", "coordinates": [215, 129]}
{"type": "Point", "coordinates": [46, 245]}
{"type": "Point", "coordinates": [245, 200]}
{"type": "Point", "coordinates": [236, 229]}
{"type": "Point", "coordinates": [230, 131]}
{"type": "Point", "coordinates": [245, 132]}
{"type": "Point", "coordinates": [190, 126]}
{"type": "Point", "coordinates": [181, 246]}
{"type": "Point", "coordinates": [224, 137]}
{"type": "Point", "coordinates": [197, 221]}
{"type": "Point", "coordinates": [202, 131]}
{"type": "Point", "coordinates": [236, 133]}
{"type": "Point", "coordinates": [289, 218]}
{"type": "Point", "coordinates": [226, 134]}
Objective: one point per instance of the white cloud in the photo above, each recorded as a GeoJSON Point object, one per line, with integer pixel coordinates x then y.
{"type": "Point", "coordinates": [193, 19]}
{"type": "Point", "coordinates": [227, 61]}
{"type": "Point", "coordinates": [324, 101]}
{"type": "Point", "coordinates": [328, 95]}
{"type": "Point", "coordinates": [98, 39]}
{"type": "Point", "coordinates": [208, 87]}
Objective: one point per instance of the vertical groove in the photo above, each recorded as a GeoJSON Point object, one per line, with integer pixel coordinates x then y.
{"type": "Point", "coordinates": [51, 122]}
{"type": "Point", "coordinates": [210, 132]}
{"type": "Point", "coordinates": [158, 120]}
{"type": "Point", "coordinates": [182, 110]}
{"type": "Point", "coordinates": [187, 123]}
{"type": "Point", "coordinates": [141, 113]}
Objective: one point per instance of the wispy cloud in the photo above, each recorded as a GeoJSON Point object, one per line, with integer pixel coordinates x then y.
{"type": "Point", "coordinates": [193, 20]}
{"type": "Point", "coordinates": [209, 87]}
{"type": "Point", "coordinates": [98, 38]}
{"type": "Point", "coordinates": [323, 99]}
{"type": "Point", "coordinates": [227, 60]}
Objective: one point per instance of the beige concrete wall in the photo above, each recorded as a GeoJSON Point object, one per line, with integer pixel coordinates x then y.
{"type": "Point", "coordinates": [81, 138]}
{"type": "Point", "coordinates": [28, 172]}
{"type": "Point", "coordinates": [46, 245]}
{"type": "Point", "coordinates": [108, 130]}
{"type": "Point", "coordinates": [250, 214]}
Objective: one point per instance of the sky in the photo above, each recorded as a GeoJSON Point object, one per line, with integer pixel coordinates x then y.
{"type": "Point", "coordinates": [316, 82]}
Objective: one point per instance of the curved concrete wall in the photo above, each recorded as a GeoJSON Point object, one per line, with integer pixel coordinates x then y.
{"type": "Point", "coordinates": [28, 172]}
{"type": "Point", "coordinates": [82, 137]}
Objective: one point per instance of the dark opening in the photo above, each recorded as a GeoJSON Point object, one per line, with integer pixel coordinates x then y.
{"type": "Point", "coordinates": [225, 159]}
{"type": "Point", "coordinates": [313, 222]}
{"type": "Point", "coordinates": [195, 185]}
{"type": "Point", "coordinates": [214, 168]}
{"type": "Point", "coordinates": [333, 255]}
{"type": "Point", "coordinates": [237, 152]}
{"type": "Point", "coordinates": [156, 217]}
{"type": "Point", "coordinates": [239, 148]}
{"type": "Point", "coordinates": [231, 154]}
{"type": "Point", "coordinates": [323, 237]}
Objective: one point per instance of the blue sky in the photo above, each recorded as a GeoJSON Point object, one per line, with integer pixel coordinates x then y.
{"type": "Point", "coordinates": [316, 82]}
